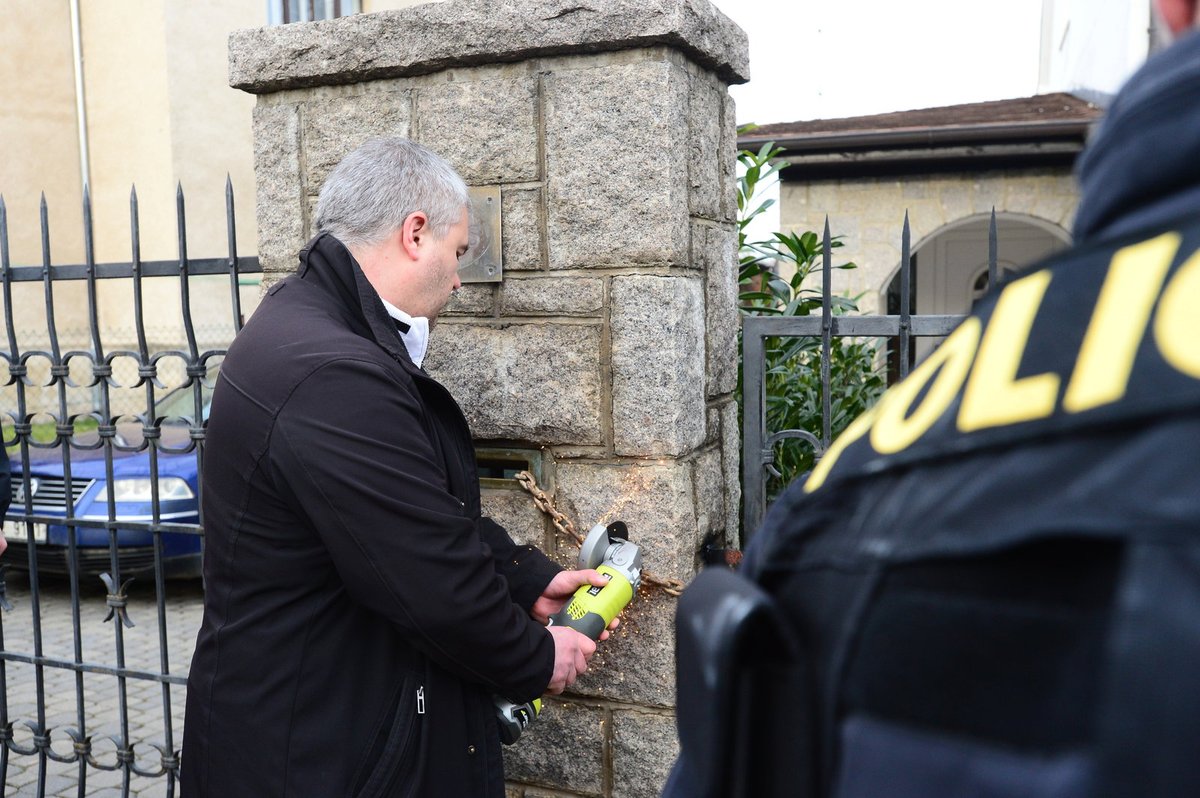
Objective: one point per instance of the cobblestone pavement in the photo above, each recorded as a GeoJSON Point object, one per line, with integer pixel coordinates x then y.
{"type": "Point", "coordinates": [65, 691]}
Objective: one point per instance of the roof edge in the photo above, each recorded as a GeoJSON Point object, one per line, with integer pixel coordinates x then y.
{"type": "Point", "coordinates": [924, 136]}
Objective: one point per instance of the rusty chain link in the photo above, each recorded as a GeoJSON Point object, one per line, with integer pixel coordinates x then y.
{"type": "Point", "coordinates": [566, 528]}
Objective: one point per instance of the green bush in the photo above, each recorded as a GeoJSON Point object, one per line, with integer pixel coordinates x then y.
{"type": "Point", "coordinates": [793, 365]}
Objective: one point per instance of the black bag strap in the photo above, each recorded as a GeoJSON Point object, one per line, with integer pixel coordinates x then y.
{"type": "Point", "coordinates": [740, 681]}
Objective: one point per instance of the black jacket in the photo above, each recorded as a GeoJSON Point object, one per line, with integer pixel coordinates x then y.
{"type": "Point", "coordinates": [359, 613]}
{"type": "Point", "coordinates": [995, 590]}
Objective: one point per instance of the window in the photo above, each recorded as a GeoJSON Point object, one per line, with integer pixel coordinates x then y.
{"type": "Point", "coordinates": [281, 12]}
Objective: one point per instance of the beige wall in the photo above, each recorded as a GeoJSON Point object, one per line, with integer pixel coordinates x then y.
{"type": "Point", "coordinates": [39, 142]}
{"type": "Point", "coordinates": [160, 113]}
{"type": "Point", "coordinates": [37, 127]}
{"type": "Point", "coordinates": [869, 214]}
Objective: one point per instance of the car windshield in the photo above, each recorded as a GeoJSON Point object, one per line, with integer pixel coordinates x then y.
{"type": "Point", "coordinates": [181, 402]}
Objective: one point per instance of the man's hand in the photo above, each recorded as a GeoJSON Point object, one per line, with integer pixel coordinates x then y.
{"type": "Point", "coordinates": [571, 654]}
{"type": "Point", "coordinates": [560, 590]}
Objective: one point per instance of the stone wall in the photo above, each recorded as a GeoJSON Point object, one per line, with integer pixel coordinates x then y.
{"type": "Point", "coordinates": [608, 352]}
{"type": "Point", "coordinates": [869, 213]}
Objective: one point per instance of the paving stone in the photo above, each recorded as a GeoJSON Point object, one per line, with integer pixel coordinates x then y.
{"type": "Point", "coordinates": [100, 691]}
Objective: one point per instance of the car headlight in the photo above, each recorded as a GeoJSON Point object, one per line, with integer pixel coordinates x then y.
{"type": "Point", "coordinates": [139, 489]}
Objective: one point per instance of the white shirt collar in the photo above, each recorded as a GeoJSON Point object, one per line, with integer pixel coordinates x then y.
{"type": "Point", "coordinates": [416, 340]}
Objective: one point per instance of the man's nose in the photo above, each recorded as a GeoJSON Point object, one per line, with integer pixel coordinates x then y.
{"type": "Point", "coordinates": [457, 282]}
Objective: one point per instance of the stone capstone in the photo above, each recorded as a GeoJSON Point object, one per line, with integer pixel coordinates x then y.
{"type": "Point", "coordinates": [433, 37]}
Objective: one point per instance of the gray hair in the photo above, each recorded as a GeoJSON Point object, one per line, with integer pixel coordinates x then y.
{"type": "Point", "coordinates": [373, 190]}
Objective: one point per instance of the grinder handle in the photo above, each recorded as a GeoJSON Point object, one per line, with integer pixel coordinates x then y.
{"type": "Point", "coordinates": [593, 608]}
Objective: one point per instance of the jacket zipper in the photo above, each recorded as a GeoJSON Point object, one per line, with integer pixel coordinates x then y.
{"type": "Point", "coordinates": [421, 700]}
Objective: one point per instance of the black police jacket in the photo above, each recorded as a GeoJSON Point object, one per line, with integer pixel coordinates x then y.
{"type": "Point", "coordinates": [359, 612]}
{"type": "Point", "coordinates": [990, 584]}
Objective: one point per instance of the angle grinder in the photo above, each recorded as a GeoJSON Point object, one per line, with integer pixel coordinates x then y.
{"type": "Point", "coordinates": [593, 607]}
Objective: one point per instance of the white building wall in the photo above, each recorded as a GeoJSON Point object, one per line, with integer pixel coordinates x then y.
{"type": "Point", "coordinates": [1090, 47]}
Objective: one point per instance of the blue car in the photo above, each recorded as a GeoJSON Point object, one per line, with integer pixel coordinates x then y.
{"type": "Point", "coordinates": [178, 504]}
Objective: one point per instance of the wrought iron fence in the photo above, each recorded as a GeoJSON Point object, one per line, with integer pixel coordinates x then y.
{"type": "Point", "coordinates": [758, 442]}
{"type": "Point", "coordinates": [104, 494]}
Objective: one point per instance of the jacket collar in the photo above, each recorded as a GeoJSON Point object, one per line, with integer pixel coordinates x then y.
{"type": "Point", "coordinates": [327, 264]}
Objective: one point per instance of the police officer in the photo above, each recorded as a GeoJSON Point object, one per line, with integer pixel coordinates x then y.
{"type": "Point", "coordinates": [990, 584]}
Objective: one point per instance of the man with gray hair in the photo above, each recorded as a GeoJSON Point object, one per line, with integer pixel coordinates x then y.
{"type": "Point", "coordinates": [360, 614]}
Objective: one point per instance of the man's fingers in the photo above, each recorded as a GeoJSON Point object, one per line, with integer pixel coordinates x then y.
{"type": "Point", "coordinates": [595, 577]}
{"type": "Point", "coordinates": [588, 576]}
{"type": "Point", "coordinates": [572, 651]}
{"type": "Point", "coordinates": [584, 650]}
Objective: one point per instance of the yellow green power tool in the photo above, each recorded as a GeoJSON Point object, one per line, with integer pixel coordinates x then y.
{"type": "Point", "coordinates": [593, 607]}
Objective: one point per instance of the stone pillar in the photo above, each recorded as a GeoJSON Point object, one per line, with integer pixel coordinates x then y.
{"type": "Point", "coordinates": [608, 351]}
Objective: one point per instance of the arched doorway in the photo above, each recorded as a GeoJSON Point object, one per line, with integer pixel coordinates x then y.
{"type": "Point", "coordinates": [950, 267]}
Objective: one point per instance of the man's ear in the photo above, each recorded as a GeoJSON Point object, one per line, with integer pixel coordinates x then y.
{"type": "Point", "coordinates": [1178, 15]}
{"type": "Point", "coordinates": [413, 232]}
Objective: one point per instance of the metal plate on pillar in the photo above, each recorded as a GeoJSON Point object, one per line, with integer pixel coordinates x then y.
{"type": "Point", "coordinates": [483, 262]}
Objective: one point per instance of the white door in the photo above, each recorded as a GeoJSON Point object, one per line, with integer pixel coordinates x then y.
{"type": "Point", "coordinates": [951, 269]}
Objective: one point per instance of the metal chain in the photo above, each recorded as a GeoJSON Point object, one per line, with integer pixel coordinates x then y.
{"type": "Point", "coordinates": [566, 527]}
